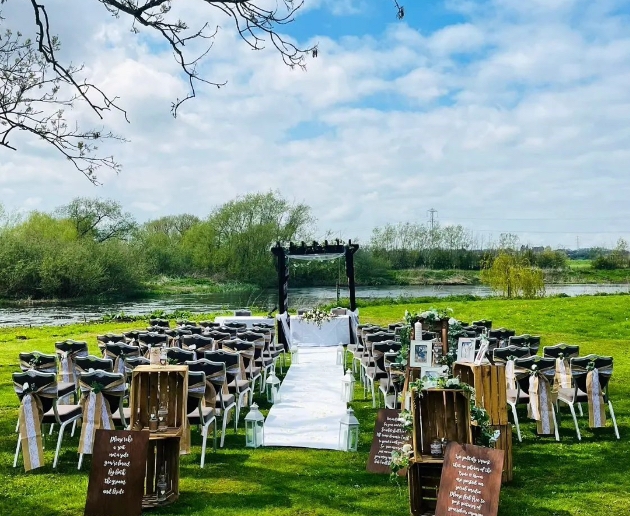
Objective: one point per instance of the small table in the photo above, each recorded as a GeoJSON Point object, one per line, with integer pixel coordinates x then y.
{"type": "Point", "coordinates": [330, 333]}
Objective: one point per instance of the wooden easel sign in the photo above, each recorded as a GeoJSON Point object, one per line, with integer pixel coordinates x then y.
{"type": "Point", "coordinates": [389, 435]}
{"type": "Point", "coordinates": [116, 483]}
{"type": "Point", "coordinates": [470, 482]}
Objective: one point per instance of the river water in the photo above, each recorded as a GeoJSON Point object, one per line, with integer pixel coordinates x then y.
{"type": "Point", "coordinates": [39, 315]}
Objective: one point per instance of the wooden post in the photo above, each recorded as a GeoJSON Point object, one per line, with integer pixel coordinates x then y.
{"type": "Point", "coordinates": [350, 250]}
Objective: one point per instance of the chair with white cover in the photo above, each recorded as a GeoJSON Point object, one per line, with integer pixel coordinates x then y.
{"type": "Point", "coordinates": [217, 395]}
{"type": "Point", "coordinates": [562, 354]}
{"type": "Point", "coordinates": [92, 363]}
{"type": "Point", "coordinates": [376, 372]}
{"type": "Point", "coordinates": [39, 394]}
{"type": "Point", "coordinates": [388, 386]}
{"type": "Point", "coordinates": [198, 413]}
{"type": "Point", "coordinates": [247, 351]}
{"type": "Point", "coordinates": [367, 360]}
{"type": "Point", "coordinates": [591, 376]}
{"type": "Point", "coordinates": [179, 356]}
{"type": "Point", "coordinates": [535, 376]}
{"type": "Point", "coordinates": [102, 396]}
{"type": "Point", "coordinates": [117, 353]}
{"type": "Point", "coordinates": [67, 351]}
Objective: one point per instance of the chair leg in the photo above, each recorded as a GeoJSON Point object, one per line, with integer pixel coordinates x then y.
{"type": "Point", "coordinates": [17, 452]}
{"type": "Point", "coordinates": [214, 433]}
{"type": "Point", "coordinates": [518, 428]}
{"type": "Point", "coordinates": [52, 427]}
{"type": "Point", "coordinates": [59, 439]}
{"type": "Point", "coordinates": [204, 435]}
{"type": "Point", "coordinates": [80, 460]}
{"type": "Point", "coordinates": [555, 423]}
{"type": "Point", "coordinates": [224, 426]}
{"type": "Point", "coordinates": [580, 409]}
{"type": "Point", "coordinates": [17, 426]}
{"type": "Point", "coordinates": [612, 415]}
{"type": "Point", "coordinates": [74, 425]}
{"type": "Point", "coordinates": [577, 428]}
{"type": "Point", "coordinates": [373, 394]}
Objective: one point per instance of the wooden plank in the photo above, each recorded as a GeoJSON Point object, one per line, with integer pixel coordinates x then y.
{"type": "Point", "coordinates": [502, 396]}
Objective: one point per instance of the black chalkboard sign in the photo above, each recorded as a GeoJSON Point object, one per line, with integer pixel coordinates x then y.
{"type": "Point", "coordinates": [470, 482]}
{"type": "Point", "coordinates": [389, 435]}
{"type": "Point", "coordinates": [116, 485]}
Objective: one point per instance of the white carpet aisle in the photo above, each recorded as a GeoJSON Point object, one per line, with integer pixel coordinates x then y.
{"type": "Point", "coordinates": [310, 408]}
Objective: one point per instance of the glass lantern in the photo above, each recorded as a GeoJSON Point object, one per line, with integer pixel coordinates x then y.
{"type": "Point", "coordinates": [273, 388]}
{"type": "Point", "coordinates": [295, 358]}
{"type": "Point", "coordinates": [254, 428]}
{"type": "Point", "coordinates": [341, 355]}
{"type": "Point", "coordinates": [349, 432]}
{"type": "Point", "coordinates": [347, 387]}
{"type": "Point", "coordinates": [161, 487]}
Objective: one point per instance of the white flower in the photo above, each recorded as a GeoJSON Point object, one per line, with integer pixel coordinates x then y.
{"type": "Point", "coordinates": [26, 386]}
{"type": "Point", "coordinates": [452, 321]}
{"type": "Point", "coordinates": [452, 382]}
{"type": "Point", "coordinates": [406, 448]}
{"type": "Point", "coordinates": [534, 367]}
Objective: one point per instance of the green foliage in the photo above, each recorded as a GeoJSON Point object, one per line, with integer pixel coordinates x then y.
{"type": "Point", "coordinates": [512, 276]}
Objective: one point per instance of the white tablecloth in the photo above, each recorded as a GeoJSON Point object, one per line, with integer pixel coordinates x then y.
{"type": "Point", "coordinates": [330, 333]}
{"type": "Point", "coordinates": [250, 320]}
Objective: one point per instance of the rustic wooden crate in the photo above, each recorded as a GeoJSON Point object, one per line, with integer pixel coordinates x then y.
{"type": "Point", "coordinates": [490, 388]}
{"type": "Point", "coordinates": [424, 484]}
{"type": "Point", "coordinates": [505, 443]}
{"type": "Point", "coordinates": [151, 384]}
{"type": "Point", "coordinates": [163, 455]}
{"type": "Point", "coordinates": [439, 413]}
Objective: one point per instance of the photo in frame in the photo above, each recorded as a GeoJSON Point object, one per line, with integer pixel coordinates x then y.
{"type": "Point", "coordinates": [466, 350]}
{"type": "Point", "coordinates": [481, 354]}
{"type": "Point", "coordinates": [436, 359]}
{"type": "Point", "coordinates": [431, 375]}
{"type": "Point", "coordinates": [420, 353]}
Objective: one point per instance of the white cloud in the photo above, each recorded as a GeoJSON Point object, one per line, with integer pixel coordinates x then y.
{"type": "Point", "coordinates": [516, 113]}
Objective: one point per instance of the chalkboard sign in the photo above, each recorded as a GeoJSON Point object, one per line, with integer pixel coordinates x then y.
{"type": "Point", "coordinates": [116, 482]}
{"type": "Point", "coordinates": [389, 435]}
{"type": "Point", "coordinates": [471, 481]}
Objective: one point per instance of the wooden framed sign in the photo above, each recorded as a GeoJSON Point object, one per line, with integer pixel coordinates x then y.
{"type": "Point", "coordinates": [116, 483]}
{"type": "Point", "coordinates": [470, 482]}
{"type": "Point", "coordinates": [389, 435]}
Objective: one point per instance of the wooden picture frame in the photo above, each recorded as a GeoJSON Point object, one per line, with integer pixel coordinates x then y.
{"type": "Point", "coordinates": [466, 350]}
{"type": "Point", "coordinates": [420, 353]}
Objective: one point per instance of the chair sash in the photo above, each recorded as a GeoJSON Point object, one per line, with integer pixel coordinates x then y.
{"type": "Point", "coordinates": [595, 394]}
{"type": "Point", "coordinates": [540, 406]}
{"type": "Point", "coordinates": [119, 361]}
{"type": "Point", "coordinates": [510, 376]}
{"type": "Point", "coordinates": [96, 412]}
{"type": "Point", "coordinates": [49, 367]}
{"type": "Point", "coordinates": [563, 373]}
{"type": "Point", "coordinates": [67, 364]}
{"type": "Point", "coordinates": [31, 415]}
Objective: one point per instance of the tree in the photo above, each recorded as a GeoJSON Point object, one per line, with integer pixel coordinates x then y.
{"type": "Point", "coordinates": [36, 86]}
{"type": "Point", "coordinates": [513, 276]}
{"type": "Point", "coordinates": [98, 219]}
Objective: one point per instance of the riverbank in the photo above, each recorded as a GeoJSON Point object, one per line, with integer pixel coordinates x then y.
{"type": "Point", "coordinates": [284, 482]}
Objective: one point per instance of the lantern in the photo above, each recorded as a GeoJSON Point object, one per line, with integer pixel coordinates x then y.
{"type": "Point", "coordinates": [347, 387]}
{"type": "Point", "coordinates": [161, 486]}
{"type": "Point", "coordinates": [273, 388]}
{"type": "Point", "coordinates": [348, 432]}
{"type": "Point", "coordinates": [295, 359]}
{"type": "Point", "coordinates": [341, 355]}
{"type": "Point", "coordinates": [254, 428]}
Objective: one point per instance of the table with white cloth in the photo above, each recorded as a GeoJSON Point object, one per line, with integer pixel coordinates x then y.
{"type": "Point", "coordinates": [329, 333]}
{"type": "Point", "coordinates": [249, 320]}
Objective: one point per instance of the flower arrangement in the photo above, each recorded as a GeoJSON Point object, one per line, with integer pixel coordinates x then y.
{"type": "Point", "coordinates": [316, 316]}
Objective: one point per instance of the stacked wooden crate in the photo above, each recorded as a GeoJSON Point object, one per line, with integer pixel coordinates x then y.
{"type": "Point", "coordinates": [151, 386]}
{"type": "Point", "coordinates": [490, 394]}
{"type": "Point", "coordinates": [437, 414]}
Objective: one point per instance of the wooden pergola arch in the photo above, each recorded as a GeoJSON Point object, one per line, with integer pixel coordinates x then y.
{"type": "Point", "coordinates": [283, 252]}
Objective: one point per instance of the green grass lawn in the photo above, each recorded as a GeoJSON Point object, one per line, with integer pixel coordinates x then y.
{"type": "Point", "coordinates": [550, 478]}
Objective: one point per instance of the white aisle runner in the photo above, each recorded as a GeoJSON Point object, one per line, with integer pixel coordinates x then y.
{"type": "Point", "coordinates": [310, 408]}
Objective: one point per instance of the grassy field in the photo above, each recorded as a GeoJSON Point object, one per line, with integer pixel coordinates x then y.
{"type": "Point", "coordinates": [550, 478]}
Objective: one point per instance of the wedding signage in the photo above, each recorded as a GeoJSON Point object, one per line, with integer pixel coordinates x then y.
{"type": "Point", "coordinates": [471, 481]}
{"type": "Point", "coordinates": [116, 484]}
{"type": "Point", "coordinates": [389, 436]}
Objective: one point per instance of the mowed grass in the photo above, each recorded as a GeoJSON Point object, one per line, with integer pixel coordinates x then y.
{"type": "Point", "coordinates": [550, 478]}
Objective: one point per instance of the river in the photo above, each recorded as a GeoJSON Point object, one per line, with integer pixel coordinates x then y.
{"type": "Point", "coordinates": [64, 313]}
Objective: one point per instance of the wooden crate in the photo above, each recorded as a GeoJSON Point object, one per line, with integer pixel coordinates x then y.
{"type": "Point", "coordinates": [151, 385]}
{"type": "Point", "coordinates": [490, 388]}
{"type": "Point", "coordinates": [424, 484]}
{"type": "Point", "coordinates": [163, 455]}
{"type": "Point", "coordinates": [505, 443]}
{"type": "Point", "coordinates": [439, 413]}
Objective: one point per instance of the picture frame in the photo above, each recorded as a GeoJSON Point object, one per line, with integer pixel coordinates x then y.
{"type": "Point", "coordinates": [420, 353]}
{"type": "Point", "coordinates": [481, 354]}
{"type": "Point", "coordinates": [432, 375]}
{"type": "Point", "coordinates": [466, 350]}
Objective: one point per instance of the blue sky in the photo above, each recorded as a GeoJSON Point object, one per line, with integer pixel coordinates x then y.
{"type": "Point", "coordinates": [503, 115]}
